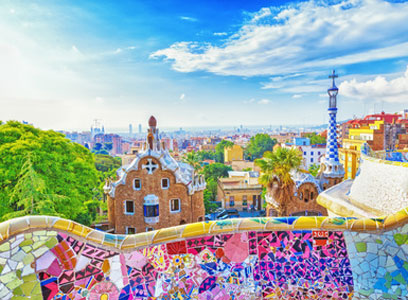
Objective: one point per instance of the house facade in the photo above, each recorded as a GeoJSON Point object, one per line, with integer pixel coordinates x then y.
{"type": "Point", "coordinates": [154, 191]}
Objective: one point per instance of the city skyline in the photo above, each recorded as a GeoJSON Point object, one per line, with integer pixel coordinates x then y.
{"type": "Point", "coordinates": [204, 64]}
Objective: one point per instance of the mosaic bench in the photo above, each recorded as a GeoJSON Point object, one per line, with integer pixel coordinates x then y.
{"type": "Point", "coordinates": [271, 258]}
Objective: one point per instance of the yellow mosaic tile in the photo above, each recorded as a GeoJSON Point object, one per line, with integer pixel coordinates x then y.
{"type": "Point", "coordinates": [63, 224]}
{"type": "Point", "coordinates": [196, 229]}
{"type": "Point", "coordinates": [306, 223]}
{"type": "Point", "coordinates": [390, 222]}
{"type": "Point", "coordinates": [168, 234]}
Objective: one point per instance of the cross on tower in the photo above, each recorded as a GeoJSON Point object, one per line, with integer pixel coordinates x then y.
{"type": "Point", "coordinates": [334, 75]}
{"type": "Point", "coordinates": [150, 166]}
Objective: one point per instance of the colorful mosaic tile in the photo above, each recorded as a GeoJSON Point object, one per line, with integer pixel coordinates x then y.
{"type": "Point", "coordinates": [299, 258]}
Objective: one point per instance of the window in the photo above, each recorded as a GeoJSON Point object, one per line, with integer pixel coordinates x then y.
{"type": "Point", "coordinates": [149, 229]}
{"type": "Point", "coordinates": [165, 183]}
{"type": "Point", "coordinates": [175, 205]}
{"type": "Point", "coordinates": [137, 184]}
{"type": "Point", "coordinates": [311, 153]}
{"type": "Point", "coordinates": [129, 207]}
{"type": "Point", "coordinates": [151, 211]}
{"type": "Point", "coordinates": [244, 200]}
{"type": "Point", "coordinates": [130, 230]}
{"type": "Point", "coordinates": [304, 153]}
{"type": "Point", "coordinates": [311, 160]}
{"type": "Point", "coordinates": [231, 201]}
{"type": "Point", "coordinates": [318, 153]}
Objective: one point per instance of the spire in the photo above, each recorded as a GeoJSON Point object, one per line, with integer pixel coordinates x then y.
{"type": "Point", "coordinates": [332, 167]}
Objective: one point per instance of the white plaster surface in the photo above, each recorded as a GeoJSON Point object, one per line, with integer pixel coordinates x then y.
{"type": "Point", "coordinates": [381, 186]}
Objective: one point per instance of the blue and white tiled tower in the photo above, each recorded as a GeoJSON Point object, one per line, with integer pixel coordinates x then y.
{"type": "Point", "coordinates": [333, 171]}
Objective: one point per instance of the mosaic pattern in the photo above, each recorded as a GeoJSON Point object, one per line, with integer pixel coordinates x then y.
{"type": "Point", "coordinates": [252, 265]}
{"type": "Point", "coordinates": [379, 264]}
{"type": "Point", "coordinates": [272, 258]}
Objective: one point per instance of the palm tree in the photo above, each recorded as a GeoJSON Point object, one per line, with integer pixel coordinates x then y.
{"type": "Point", "coordinates": [193, 159]}
{"type": "Point", "coordinates": [276, 167]}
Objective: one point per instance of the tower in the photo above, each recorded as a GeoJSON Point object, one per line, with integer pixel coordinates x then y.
{"type": "Point", "coordinates": [130, 130]}
{"type": "Point", "coordinates": [333, 171]}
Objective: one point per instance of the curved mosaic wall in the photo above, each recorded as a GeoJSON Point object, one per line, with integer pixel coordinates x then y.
{"type": "Point", "coordinates": [274, 258]}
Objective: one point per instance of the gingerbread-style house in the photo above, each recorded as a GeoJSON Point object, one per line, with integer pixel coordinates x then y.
{"type": "Point", "coordinates": [154, 191]}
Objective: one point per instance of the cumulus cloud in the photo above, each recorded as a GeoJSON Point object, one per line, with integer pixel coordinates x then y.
{"type": "Point", "coordinates": [300, 37]}
{"type": "Point", "coordinates": [379, 89]}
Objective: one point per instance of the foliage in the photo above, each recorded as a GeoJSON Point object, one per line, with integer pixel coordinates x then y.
{"type": "Point", "coordinates": [276, 167]}
{"type": "Point", "coordinates": [203, 155]}
{"type": "Point", "coordinates": [43, 172]}
{"type": "Point", "coordinates": [215, 171]}
{"type": "Point", "coordinates": [193, 159]}
{"type": "Point", "coordinates": [210, 194]}
{"type": "Point", "coordinates": [315, 138]}
{"type": "Point", "coordinates": [314, 169]}
{"type": "Point", "coordinates": [105, 163]}
{"type": "Point", "coordinates": [247, 169]}
{"type": "Point", "coordinates": [219, 150]}
{"type": "Point", "coordinates": [258, 145]}
{"type": "Point", "coordinates": [212, 173]}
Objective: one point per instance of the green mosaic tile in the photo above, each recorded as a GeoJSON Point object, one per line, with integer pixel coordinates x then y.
{"type": "Point", "coordinates": [28, 236]}
{"type": "Point", "coordinates": [361, 247]}
{"type": "Point", "coordinates": [378, 241]}
{"type": "Point", "coordinates": [28, 259]}
{"type": "Point", "coordinates": [28, 287]}
{"type": "Point", "coordinates": [400, 239]}
{"type": "Point", "coordinates": [51, 242]}
{"type": "Point", "coordinates": [5, 247]}
{"type": "Point", "coordinates": [8, 277]}
{"type": "Point", "coordinates": [15, 283]}
{"type": "Point", "coordinates": [400, 279]}
{"type": "Point", "coordinates": [26, 243]}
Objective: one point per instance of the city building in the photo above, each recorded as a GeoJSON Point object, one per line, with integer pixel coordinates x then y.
{"type": "Point", "coordinates": [241, 191]}
{"type": "Point", "coordinates": [233, 153]}
{"type": "Point", "coordinates": [154, 191]}
{"type": "Point", "coordinates": [312, 154]}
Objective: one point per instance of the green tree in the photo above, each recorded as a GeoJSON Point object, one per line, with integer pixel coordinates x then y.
{"type": "Point", "coordinates": [203, 155]}
{"type": "Point", "coordinates": [315, 138]}
{"type": "Point", "coordinates": [215, 171]}
{"type": "Point", "coordinates": [210, 195]}
{"type": "Point", "coordinates": [219, 150]}
{"type": "Point", "coordinates": [314, 169]}
{"type": "Point", "coordinates": [276, 167]}
{"type": "Point", "coordinates": [105, 163]}
{"type": "Point", "coordinates": [193, 159]}
{"type": "Point", "coordinates": [258, 145]}
{"type": "Point", "coordinates": [61, 172]}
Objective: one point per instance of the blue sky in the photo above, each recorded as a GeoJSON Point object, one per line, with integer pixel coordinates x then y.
{"type": "Point", "coordinates": [199, 63]}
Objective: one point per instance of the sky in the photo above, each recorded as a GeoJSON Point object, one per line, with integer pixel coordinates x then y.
{"type": "Point", "coordinates": [198, 63]}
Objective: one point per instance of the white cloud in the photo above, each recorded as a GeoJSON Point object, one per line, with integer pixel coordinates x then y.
{"type": "Point", "coordinates": [264, 101]}
{"type": "Point", "coordinates": [191, 19]}
{"type": "Point", "coordinates": [182, 96]}
{"type": "Point", "coordinates": [378, 89]}
{"type": "Point", "coordinates": [297, 96]}
{"type": "Point", "coordinates": [300, 37]}
{"type": "Point", "coordinates": [220, 33]}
